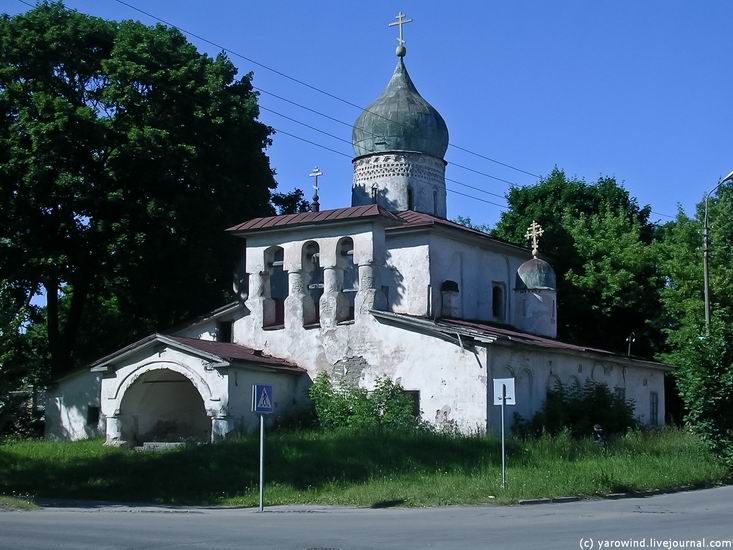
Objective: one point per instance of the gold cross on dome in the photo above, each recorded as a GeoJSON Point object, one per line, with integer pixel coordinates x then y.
{"type": "Point", "coordinates": [399, 23]}
{"type": "Point", "coordinates": [534, 232]}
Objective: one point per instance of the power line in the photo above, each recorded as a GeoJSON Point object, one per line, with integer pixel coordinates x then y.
{"type": "Point", "coordinates": [311, 142]}
{"type": "Point", "coordinates": [345, 101]}
{"type": "Point", "coordinates": [475, 188]}
{"type": "Point", "coordinates": [477, 199]}
{"type": "Point", "coordinates": [301, 82]}
{"type": "Point", "coordinates": [349, 143]}
{"type": "Point", "coordinates": [306, 125]}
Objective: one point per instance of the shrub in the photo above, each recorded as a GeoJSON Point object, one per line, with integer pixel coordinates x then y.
{"type": "Point", "coordinates": [578, 410]}
{"type": "Point", "coordinates": [386, 407]}
{"type": "Point", "coordinates": [705, 380]}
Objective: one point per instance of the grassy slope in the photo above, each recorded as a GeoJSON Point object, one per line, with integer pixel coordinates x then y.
{"type": "Point", "coordinates": [365, 470]}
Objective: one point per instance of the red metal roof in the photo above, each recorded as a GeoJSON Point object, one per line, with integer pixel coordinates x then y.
{"type": "Point", "coordinates": [235, 352]}
{"type": "Point", "coordinates": [505, 332]}
{"type": "Point", "coordinates": [223, 350]}
{"type": "Point", "coordinates": [410, 219]}
{"type": "Point", "coordinates": [307, 218]}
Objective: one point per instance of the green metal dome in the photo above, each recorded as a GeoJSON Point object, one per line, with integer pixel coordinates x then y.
{"type": "Point", "coordinates": [535, 274]}
{"type": "Point", "coordinates": [400, 120]}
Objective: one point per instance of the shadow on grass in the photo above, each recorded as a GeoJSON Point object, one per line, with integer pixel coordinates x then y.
{"type": "Point", "coordinates": [209, 473]}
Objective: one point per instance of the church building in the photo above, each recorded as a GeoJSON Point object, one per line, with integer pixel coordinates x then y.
{"type": "Point", "coordinates": [385, 287]}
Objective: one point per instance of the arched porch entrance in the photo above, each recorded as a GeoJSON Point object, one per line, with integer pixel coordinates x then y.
{"type": "Point", "coordinates": [163, 405]}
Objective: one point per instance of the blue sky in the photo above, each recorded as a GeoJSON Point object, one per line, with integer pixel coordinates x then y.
{"type": "Point", "coordinates": [636, 90]}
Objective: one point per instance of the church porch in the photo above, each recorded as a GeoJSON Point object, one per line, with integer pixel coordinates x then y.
{"type": "Point", "coordinates": [175, 389]}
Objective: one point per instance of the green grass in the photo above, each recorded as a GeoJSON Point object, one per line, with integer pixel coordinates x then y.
{"type": "Point", "coordinates": [314, 467]}
{"type": "Point", "coordinates": [16, 503]}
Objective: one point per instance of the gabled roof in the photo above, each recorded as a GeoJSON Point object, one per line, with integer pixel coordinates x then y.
{"type": "Point", "coordinates": [368, 211]}
{"type": "Point", "coordinates": [492, 332]}
{"type": "Point", "coordinates": [405, 220]}
{"type": "Point", "coordinates": [414, 220]}
{"type": "Point", "coordinates": [221, 311]}
{"type": "Point", "coordinates": [220, 353]}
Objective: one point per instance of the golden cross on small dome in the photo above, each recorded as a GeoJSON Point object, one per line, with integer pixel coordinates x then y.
{"type": "Point", "coordinates": [401, 50]}
{"type": "Point", "coordinates": [534, 232]}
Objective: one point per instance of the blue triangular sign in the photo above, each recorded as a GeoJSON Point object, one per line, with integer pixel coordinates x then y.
{"type": "Point", "coordinates": [264, 402]}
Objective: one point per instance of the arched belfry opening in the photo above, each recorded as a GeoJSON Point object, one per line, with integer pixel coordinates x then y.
{"type": "Point", "coordinates": [350, 284]}
{"type": "Point", "coordinates": [276, 287]}
{"type": "Point", "coordinates": [163, 405]}
{"type": "Point", "coordinates": [313, 275]}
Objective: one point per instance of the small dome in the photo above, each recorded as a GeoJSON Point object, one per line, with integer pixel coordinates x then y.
{"type": "Point", "coordinates": [400, 120]}
{"type": "Point", "coordinates": [535, 274]}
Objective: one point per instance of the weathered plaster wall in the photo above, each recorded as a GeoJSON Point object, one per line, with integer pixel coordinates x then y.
{"type": "Point", "coordinates": [208, 329]}
{"type": "Point", "coordinates": [289, 396]}
{"type": "Point", "coordinates": [537, 371]}
{"type": "Point", "coordinates": [396, 173]}
{"type": "Point", "coordinates": [407, 273]}
{"type": "Point", "coordinates": [475, 268]}
{"type": "Point", "coordinates": [209, 382]}
{"type": "Point", "coordinates": [67, 404]}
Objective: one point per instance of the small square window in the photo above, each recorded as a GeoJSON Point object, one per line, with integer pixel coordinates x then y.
{"type": "Point", "coordinates": [92, 415]}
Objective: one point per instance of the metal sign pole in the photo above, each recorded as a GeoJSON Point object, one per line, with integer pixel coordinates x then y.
{"type": "Point", "coordinates": [262, 462]}
{"type": "Point", "coordinates": [503, 454]}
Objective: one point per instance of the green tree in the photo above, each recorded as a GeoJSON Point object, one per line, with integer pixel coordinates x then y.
{"type": "Point", "coordinates": [124, 154]}
{"type": "Point", "coordinates": [703, 363]}
{"type": "Point", "coordinates": [598, 240]}
{"type": "Point", "coordinates": [292, 202]}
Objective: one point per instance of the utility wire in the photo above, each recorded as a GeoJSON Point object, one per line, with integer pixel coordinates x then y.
{"type": "Point", "coordinates": [324, 92]}
{"type": "Point", "coordinates": [502, 206]}
{"type": "Point", "coordinates": [298, 81]}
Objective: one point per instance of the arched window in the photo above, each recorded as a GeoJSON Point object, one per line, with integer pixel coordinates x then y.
{"type": "Point", "coordinates": [313, 281]}
{"type": "Point", "coordinates": [350, 284]}
{"type": "Point", "coordinates": [450, 305]}
{"type": "Point", "coordinates": [276, 288]}
{"type": "Point", "coordinates": [498, 305]}
{"type": "Point", "coordinates": [435, 202]}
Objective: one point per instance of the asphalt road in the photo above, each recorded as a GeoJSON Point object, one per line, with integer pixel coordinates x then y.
{"type": "Point", "coordinates": [662, 519]}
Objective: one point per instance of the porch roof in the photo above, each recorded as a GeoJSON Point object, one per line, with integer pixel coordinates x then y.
{"type": "Point", "coordinates": [221, 353]}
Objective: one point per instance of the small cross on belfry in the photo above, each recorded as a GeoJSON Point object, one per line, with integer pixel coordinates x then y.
{"type": "Point", "coordinates": [401, 21]}
{"type": "Point", "coordinates": [534, 232]}
{"type": "Point", "coordinates": [315, 205]}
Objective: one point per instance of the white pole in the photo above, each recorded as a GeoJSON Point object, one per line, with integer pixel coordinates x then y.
{"type": "Point", "coordinates": [262, 462]}
{"type": "Point", "coordinates": [503, 460]}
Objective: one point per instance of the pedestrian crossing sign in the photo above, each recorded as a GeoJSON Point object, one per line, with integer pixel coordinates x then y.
{"type": "Point", "coordinates": [262, 399]}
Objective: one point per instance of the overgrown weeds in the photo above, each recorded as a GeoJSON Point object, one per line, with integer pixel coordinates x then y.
{"type": "Point", "coordinates": [359, 468]}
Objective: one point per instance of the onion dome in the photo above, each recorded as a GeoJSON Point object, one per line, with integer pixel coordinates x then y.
{"type": "Point", "coordinates": [535, 274]}
{"type": "Point", "coordinates": [400, 120]}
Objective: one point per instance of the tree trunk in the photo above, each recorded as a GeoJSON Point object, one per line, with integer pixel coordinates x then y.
{"type": "Point", "coordinates": [52, 323]}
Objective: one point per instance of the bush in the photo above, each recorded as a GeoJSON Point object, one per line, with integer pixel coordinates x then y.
{"type": "Point", "coordinates": [705, 380]}
{"type": "Point", "coordinates": [578, 410]}
{"type": "Point", "coordinates": [387, 406]}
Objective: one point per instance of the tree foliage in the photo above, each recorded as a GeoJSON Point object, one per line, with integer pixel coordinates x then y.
{"type": "Point", "coordinates": [703, 363]}
{"type": "Point", "coordinates": [598, 240]}
{"type": "Point", "coordinates": [124, 154]}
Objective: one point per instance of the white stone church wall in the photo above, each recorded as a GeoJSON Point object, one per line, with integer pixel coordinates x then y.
{"type": "Point", "coordinates": [537, 371]}
{"type": "Point", "coordinates": [67, 407]}
{"type": "Point", "coordinates": [288, 391]}
{"type": "Point", "coordinates": [475, 269]}
{"type": "Point", "coordinates": [211, 384]}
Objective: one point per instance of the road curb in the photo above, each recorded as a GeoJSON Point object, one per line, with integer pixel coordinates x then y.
{"type": "Point", "coordinates": [610, 496]}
